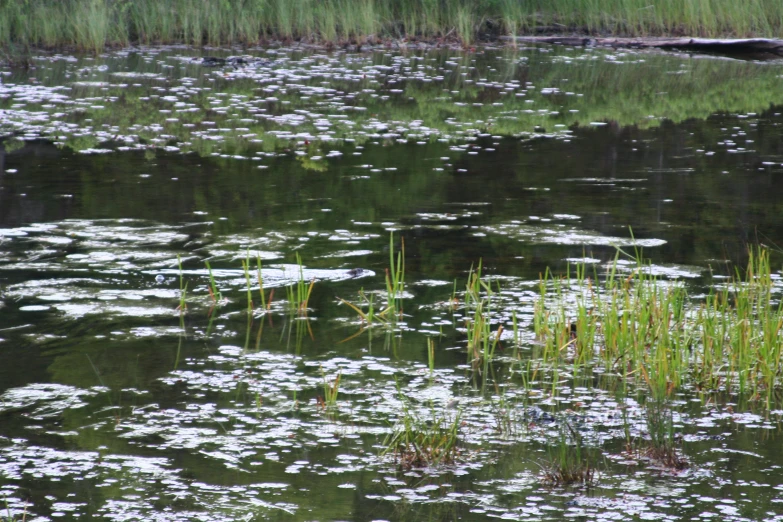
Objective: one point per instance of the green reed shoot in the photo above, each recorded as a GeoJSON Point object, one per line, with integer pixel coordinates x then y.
{"type": "Point", "coordinates": [431, 355]}
{"type": "Point", "coordinates": [246, 269]}
{"type": "Point", "coordinates": [570, 461]}
{"type": "Point", "coordinates": [214, 291]}
{"type": "Point", "coordinates": [298, 295]}
{"type": "Point", "coordinates": [416, 441]}
{"type": "Point", "coordinates": [183, 291]}
{"type": "Point", "coordinates": [395, 280]}
{"type": "Point", "coordinates": [331, 390]}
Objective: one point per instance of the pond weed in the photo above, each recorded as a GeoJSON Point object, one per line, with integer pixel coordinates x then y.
{"type": "Point", "coordinates": [570, 462]}
{"type": "Point", "coordinates": [418, 440]}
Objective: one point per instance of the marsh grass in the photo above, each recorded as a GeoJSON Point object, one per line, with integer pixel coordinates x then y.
{"type": "Point", "coordinates": [395, 280]}
{"type": "Point", "coordinates": [661, 446]}
{"type": "Point", "coordinates": [12, 517]}
{"type": "Point", "coordinates": [478, 304]}
{"type": "Point", "coordinates": [649, 331]}
{"type": "Point", "coordinates": [92, 24]}
{"type": "Point", "coordinates": [570, 460]}
{"type": "Point", "coordinates": [331, 390]}
{"type": "Point", "coordinates": [298, 294]}
{"type": "Point", "coordinates": [417, 441]}
{"type": "Point", "coordinates": [214, 291]}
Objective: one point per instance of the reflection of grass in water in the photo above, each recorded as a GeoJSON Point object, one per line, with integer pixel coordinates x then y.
{"type": "Point", "coordinates": [624, 93]}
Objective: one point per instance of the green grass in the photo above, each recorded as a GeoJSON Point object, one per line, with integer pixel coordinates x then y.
{"type": "Point", "coordinates": [417, 441]}
{"type": "Point", "coordinates": [298, 294]}
{"type": "Point", "coordinates": [93, 24]}
{"type": "Point", "coordinates": [570, 460]}
{"type": "Point", "coordinates": [649, 331]}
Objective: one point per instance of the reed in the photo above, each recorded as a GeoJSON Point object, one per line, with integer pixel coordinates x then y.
{"type": "Point", "coordinates": [570, 461]}
{"type": "Point", "coordinates": [93, 24]}
{"type": "Point", "coordinates": [395, 280]}
{"type": "Point", "coordinates": [331, 390]}
{"type": "Point", "coordinates": [298, 294]}
{"type": "Point", "coordinates": [214, 291]}
{"type": "Point", "coordinates": [418, 440]}
{"type": "Point", "coordinates": [651, 332]}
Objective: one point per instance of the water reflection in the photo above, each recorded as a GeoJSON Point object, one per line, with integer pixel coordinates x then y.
{"type": "Point", "coordinates": [120, 402]}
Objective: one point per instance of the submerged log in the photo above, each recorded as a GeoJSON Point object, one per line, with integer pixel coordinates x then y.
{"type": "Point", "coordinates": [742, 45]}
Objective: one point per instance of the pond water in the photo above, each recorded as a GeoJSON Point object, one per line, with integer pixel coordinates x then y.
{"type": "Point", "coordinates": [135, 384]}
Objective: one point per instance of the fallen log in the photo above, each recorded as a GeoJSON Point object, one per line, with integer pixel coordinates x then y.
{"type": "Point", "coordinates": [741, 45]}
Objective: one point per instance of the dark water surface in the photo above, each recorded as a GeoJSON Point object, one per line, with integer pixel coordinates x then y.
{"type": "Point", "coordinates": [122, 175]}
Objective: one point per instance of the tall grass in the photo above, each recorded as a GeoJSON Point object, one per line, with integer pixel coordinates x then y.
{"type": "Point", "coordinates": [649, 331]}
{"type": "Point", "coordinates": [92, 24]}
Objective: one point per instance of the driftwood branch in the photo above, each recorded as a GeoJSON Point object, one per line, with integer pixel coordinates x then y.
{"type": "Point", "coordinates": [746, 45]}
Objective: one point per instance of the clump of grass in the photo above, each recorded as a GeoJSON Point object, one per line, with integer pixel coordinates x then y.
{"type": "Point", "coordinates": [298, 295]}
{"type": "Point", "coordinates": [661, 447]}
{"type": "Point", "coordinates": [649, 331]}
{"type": "Point", "coordinates": [416, 441]}
{"type": "Point", "coordinates": [331, 390]}
{"type": "Point", "coordinates": [482, 341]}
{"type": "Point", "coordinates": [395, 280]}
{"type": "Point", "coordinates": [570, 461]}
{"type": "Point", "coordinates": [395, 290]}
{"type": "Point", "coordinates": [214, 291]}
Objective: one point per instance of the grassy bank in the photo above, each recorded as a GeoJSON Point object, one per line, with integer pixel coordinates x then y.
{"type": "Point", "coordinates": [93, 24]}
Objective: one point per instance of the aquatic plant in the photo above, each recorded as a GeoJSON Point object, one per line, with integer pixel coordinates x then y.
{"type": "Point", "coordinates": [92, 24]}
{"type": "Point", "coordinates": [331, 390]}
{"type": "Point", "coordinates": [395, 280]}
{"type": "Point", "coordinates": [423, 441]}
{"type": "Point", "coordinates": [214, 291]}
{"type": "Point", "coordinates": [661, 446]}
{"type": "Point", "coordinates": [298, 294]}
{"type": "Point", "coordinates": [570, 461]}
{"type": "Point", "coordinates": [11, 516]}
{"type": "Point", "coordinates": [649, 331]}
{"type": "Point", "coordinates": [482, 340]}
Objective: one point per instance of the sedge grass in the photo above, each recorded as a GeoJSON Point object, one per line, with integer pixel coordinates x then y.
{"type": "Point", "coordinates": [93, 24]}
{"type": "Point", "coordinates": [417, 440]}
{"type": "Point", "coordinates": [214, 291]}
{"type": "Point", "coordinates": [331, 390]}
{"type": "Point", "coordinates": [570, 460]}
{"type": "Point", "coordinates": [298, 294]}
{"type": "Point", "coordinates": [650, 331]}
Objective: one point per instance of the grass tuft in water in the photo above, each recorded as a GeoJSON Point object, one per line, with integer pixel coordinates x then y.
{"type": "Point", "coordinates": [214, 291]}
{"type": "Point", "coordinates": [417, 441]}
{"type": "Point", "coordinates": [298, 295]}
{"type": "Point", "coordinates": [331, 390]}
{"type": "Point", "coordinates": [570, 461]}
{"type": "Point", "coordinates": [395, 280]}
{"type": "Point", "coordinates": [649, 331]}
